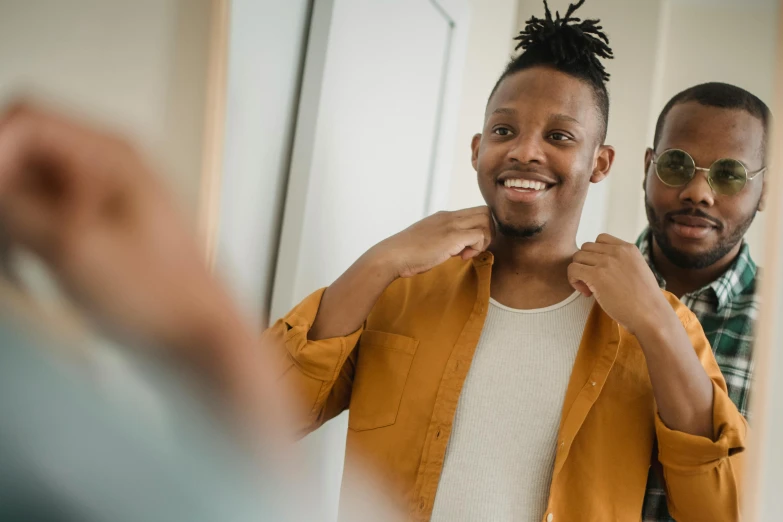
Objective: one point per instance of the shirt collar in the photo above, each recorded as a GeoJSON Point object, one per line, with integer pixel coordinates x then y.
{"type": "Point", "coordinates": [726, 288]}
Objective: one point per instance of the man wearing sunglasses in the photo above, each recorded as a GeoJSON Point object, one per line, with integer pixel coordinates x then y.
{"type": "Point", "coordinates": [705, 179]}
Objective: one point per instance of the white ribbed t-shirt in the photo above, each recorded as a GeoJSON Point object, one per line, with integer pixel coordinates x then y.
{"type": "Point", "coordinates": [501, 453]}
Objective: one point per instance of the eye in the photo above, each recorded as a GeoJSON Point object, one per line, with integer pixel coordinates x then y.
{"type": "Point", "coordinates": [559, 136]}
{"type": "Point", "coordinates": [502, 131]}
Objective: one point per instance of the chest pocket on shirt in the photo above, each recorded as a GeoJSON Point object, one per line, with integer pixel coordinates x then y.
{"type": "Point", "coordinates": [382, 367]}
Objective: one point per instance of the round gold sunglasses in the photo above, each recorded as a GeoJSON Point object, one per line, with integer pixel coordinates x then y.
{"type": "Point", "coordinates": [727, 176]}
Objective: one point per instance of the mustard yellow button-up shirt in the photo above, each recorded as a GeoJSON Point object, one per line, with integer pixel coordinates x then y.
{"type": "Point", "coordinates": [400, 376]}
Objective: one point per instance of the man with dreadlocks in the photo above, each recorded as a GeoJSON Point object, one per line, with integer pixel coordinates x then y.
{"type": "Point", "coordinates": [494, 371]}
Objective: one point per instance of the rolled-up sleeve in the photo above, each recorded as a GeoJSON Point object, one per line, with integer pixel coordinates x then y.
{"type": "Point", "coordinates": [702, 475]}
{"type": "Point", "coordinates": [320, 373]}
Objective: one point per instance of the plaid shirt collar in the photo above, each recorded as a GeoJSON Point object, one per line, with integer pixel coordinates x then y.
{"type": "Point", "coordinates": [728, 286]}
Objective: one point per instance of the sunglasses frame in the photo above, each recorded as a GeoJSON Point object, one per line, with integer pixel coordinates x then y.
{"type": "Point", "coordinates": [749, 176]}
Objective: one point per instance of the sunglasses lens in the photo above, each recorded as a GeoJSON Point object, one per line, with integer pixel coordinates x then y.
{"type": "Point", "coordinates": [728, 176]}
{"type": "Point", "coordinates": [675, 168]}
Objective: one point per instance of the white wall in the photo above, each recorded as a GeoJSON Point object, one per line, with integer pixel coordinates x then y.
{"type": "Point", "coordinates": [138, 67]}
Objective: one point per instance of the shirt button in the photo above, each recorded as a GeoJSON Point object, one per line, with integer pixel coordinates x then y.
{"type": "Point", "coordinates": [422, 505]}
{"type": "Point", "coordinates": [592, 383]}
{"type": "Point", "coordinates": [550, 517]}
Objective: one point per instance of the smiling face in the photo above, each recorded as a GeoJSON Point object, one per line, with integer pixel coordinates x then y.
{"type": "Point", "coordinates": [693, 226]}
{"type": "Point", "coordinates": [539, 151]}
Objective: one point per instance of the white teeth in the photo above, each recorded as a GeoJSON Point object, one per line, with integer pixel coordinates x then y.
{"type": "Point", "coordinates": [525, 183]}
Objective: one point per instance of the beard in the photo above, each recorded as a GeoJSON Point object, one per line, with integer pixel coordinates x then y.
{"type": "Point", "coordinates": [703, 259]}
{"type": "Point", "coordinates": [515, 231]}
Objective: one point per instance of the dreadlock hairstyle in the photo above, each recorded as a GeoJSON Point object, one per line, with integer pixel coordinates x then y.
{"type": "Point", "coordinates": [570, 45]}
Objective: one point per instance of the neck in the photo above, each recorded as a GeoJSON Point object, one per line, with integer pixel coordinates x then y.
{"type": "Point", "coordinates": [681, 281]}
{"type": "Point", "coordinates": [531, 273]}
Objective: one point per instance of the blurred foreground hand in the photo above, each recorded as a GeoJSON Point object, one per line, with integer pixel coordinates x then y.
{"type": "Point", "coordinates": [87, 204]}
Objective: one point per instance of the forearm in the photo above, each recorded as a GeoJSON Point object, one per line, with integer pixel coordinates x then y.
{"type": "Point", "coordinates": [683, 391]}
{"type": "Point", "coordinates": [348, 301]}
{"type": "Point", "coordinates": [223, 352]}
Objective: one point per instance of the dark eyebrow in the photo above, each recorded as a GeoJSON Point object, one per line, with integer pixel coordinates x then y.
{"type": "Point", "coordinates": [554, 117]}
{"type": "Point", "coordinates": [505, 110]}
{"type": "Point", "coordinates": [565, 117]}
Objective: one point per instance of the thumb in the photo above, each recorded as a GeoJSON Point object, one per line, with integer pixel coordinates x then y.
{"type": "Point", "coordinates": [582, 288]}
{"type": "Point", "coordinates": [577, 277]}
{"type": "Point", "coordinates": [466, 243]}
{"type": "Point", "coordinates": [469, 253]}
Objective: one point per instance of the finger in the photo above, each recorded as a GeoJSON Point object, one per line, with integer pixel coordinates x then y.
{"type": "Point", "coordinates": [481, 221]}
{"type": "Point", "coordinates": [489, 235]}
{"type": "Point", "coordinates": [479, 238]}
{"type": "Point", "coordinates": [56, 176]}
{"type": "Point", "coordinates": [15, 145]}
{"type": "Point", "coordinates": [471, 220]}
{"type": "Point", "coordinates": [473, 239]}
{"type": "Point", "coordinates": [469, 253]}
{"type": "Point", "coordinates": [38, 153]}
{"type": "Point", "coordinates": [32, 137]}
{"type": "Point", "coordinates": [482, 209]}
{"type": "Point", "coordinates": [600, 248]}
{"type": "Point", "coordinates": [34, 175]}
{"type": "Point", "coordinates": [589, 258]}
{"type": "Point", "coordinates": [609, 240]}
{"type": "Point", "coordinates": [471, 225]}
{"type": "Point", "coordinates": [593, 247]}
{"type": "Point", "coordinates": [582, 288]}
{"type": "Point", "coordinates": [579, 277]}
{"type": "Point", "coordinates": [486, 236]}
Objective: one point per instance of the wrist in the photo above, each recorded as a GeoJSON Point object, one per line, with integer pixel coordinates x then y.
{"type": "Point", "coordinates": [380, 262]}
{"type": "Point", "coordinates": [660, 320]}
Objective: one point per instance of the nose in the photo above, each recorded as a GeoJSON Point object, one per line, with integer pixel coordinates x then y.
{"type": "Point", "coordinates": [526, 148]}
{"type": "Point", "coordinates": [698, 191]}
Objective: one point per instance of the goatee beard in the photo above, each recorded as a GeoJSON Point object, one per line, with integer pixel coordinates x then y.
{"type": "Point", "coordinates": [693, 261]}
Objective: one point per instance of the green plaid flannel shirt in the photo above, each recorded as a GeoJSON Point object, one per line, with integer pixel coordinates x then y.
{"type": "Point", "coordinates": [727, 309]}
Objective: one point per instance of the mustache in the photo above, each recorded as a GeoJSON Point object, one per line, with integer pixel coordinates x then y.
{"type": "Point", "coordinates": [524, 169]}
{"type": "Point", "coordinates": [694, 212]}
